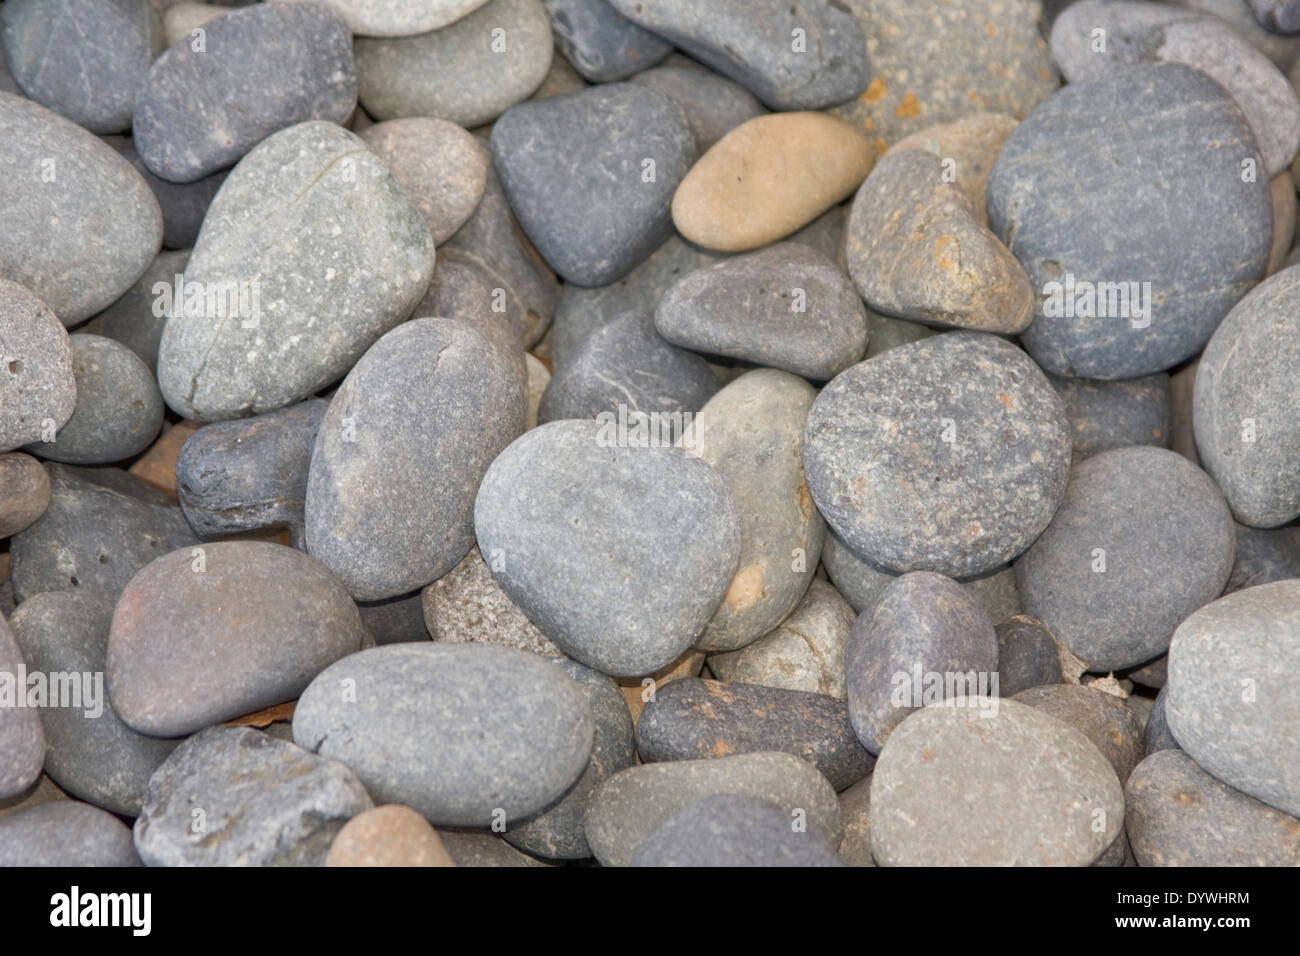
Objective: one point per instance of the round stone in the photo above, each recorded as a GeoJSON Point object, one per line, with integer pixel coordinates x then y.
{"type": "Point", "coordinates": [467, 605]}
{"type": "Point", "coordinates": [131, 319]}
{"type": "Point", "coordinates": [390, 835]}
{"type": "Point", "coordinates": [397, 18]}
{"type": "Point", "coordinates": [602, 44]}
{"type": "Point", "coordinates": [1027, 655]}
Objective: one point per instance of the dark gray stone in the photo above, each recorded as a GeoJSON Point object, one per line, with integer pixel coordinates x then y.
{"type": "Point", "coordinates": [949, 454]}
{"type": "Point", "coordinates": [24, 492]}
{"type": "Point", "coordinates": [233, 796]}
{"type": "Point", "coordinates": [402, 448]}
{"type": "Point", "coordinates": [713, 104]}
{"type": "Point", "coordinates": [1106, 415]}
{"type": "Point", "coordinates": [1157, 735]}
{"type": "Point", "coordinates": [204, 635]}
{"type": "Point", "coordinates": [1128, 140]}
{"type": "Point", "coordinates": [732, 830]}
{"type": "Point", "coordinates": [1141, 540]}
{"type": "Point", "coordinates": [619, 553]}
{"type": "Point", "coordinates": [251, 474]}
{"type": "Point", "coordinates": [7, 84]}
{"type": "Point", "coordinates": [591, 176]}
{"type": "Point", "coordinates": [463, 733]}
{"type": "Point", "coordinates": [102, 526]}
{"type": "Point", "coordinates": [1101, 717]}
{"type": "Point", "coordinates": [1151, 674]}
{"type": "Point", "coordinates": [22, 741]}
{"type": "Point", "coordinates": [459, 290]}
{"type": "Point", "coordinates": [754, 43]}
{"type": "Point", "coordinates": [602, 44]}
{"type": "Point", "coordinates": [183, 204]}
{"type": "Point", "coordinates": [785, 306]}
{"type": "Point", "coordinates": [38, 389]}
{"type": "Point", "coordinates": [396, 620]}
{"type": "Point", "coordinates": [92, 754]}
{"type": "Point", "coordinates": [262, 69]}
{"type": "Point", "coordinates": [1265, 556]}
{"type": "Point", "coordinates": [65, 833]}
{"type": "Point", "coordinates": [137, 319]}
{"type": "Point", "coordinates": [1027, 655]}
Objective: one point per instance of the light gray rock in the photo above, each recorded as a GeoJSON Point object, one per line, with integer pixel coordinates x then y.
{"type": "Point", "coordinates": [24, 493]}
{"type": "Point", "coordinates": [65, 833]}
{"type": "Point", "coordinates": [397, 18]}
{"type": "Point", "coordinates": [732, 830]}
{"type": "Point", "coordinates": [38, 388]}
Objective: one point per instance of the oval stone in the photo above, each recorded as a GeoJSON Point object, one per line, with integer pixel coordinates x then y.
{"type": "Point", "coordinates": [602, 44]}
{"type": "Point", "coordinates": [24, 492]}
{"type": "Point", "coordinates": [730, 830]}
{"type": "Point", "coordinates": [397, 18]}
{"type": "Point", "coordinates": [65, 833]}
{"type": "Point", "coordinates": [713, 104]}
{"type": "Point", "coordinates": [390, 835]}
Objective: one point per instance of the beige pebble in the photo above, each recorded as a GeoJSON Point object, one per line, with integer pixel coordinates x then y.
{"type": "Point", "coordinates": [390, 835]}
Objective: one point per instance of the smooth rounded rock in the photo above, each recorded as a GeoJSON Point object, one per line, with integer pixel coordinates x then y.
{"type": "Point", "coordinates": [1027, 655]}
{"type": "Point", "coordinates": [1099, 716]}
{"type": "Point", "coordinates": [38, 386]}
{"type": "Point", "coordinates": [183, 205]}
{"type": "Point", "coordinates": [65, 833]}
{"type": "Point", "coordinates": [390, 835]}
{"type": "Point", "coordinates": [24, 492]}
{"type": "Point", "coordinates": [396, 18]}
{"type": "Point", "coordinates": [713, 104]}
{"type": "Point", "coordinates": [602, 44]}
{"type": "Point", "coordinates": [1157, 735]}
{"type": "Point", "coordinates": [731, 830]}
{"type": "Point", "coordinates": [968, 147]}
{"type": "Point", "coordinates": [1265, 556]}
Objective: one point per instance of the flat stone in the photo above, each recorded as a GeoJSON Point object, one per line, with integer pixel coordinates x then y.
{"type": "Point", "coordinates": [91, 753]}
{"type": "Point", "coordinates": [1106, 415]}
{"type": "Point", "coordinates": [397, 18]}
{"type": "Point", "coordinates": [119, 410]}
{"type": "Point", "coordinates": [24, 492]}
{"type": "Point", "coordinates": [1141, 540]}
{"type": "Point", "coordinates": [53, 171]}
{"type": "Point", "coordinates": [566, 496]}
{"type": "Point", "coordinates": [131, 320]}
{"type": "Point", "coordinates": [602, 44]}
{"type": "Point", "coordinates": [1027, 655]}
{"type": "Point", "coordinates": [260, 70]}
{"type": "Point", "coordinates": [65, 833]}
{"type": "Point", "coordinates": [925, 642]}
{"type": "Point", "coordinates": [970, 786]}
{"type": "Point", "coordinates": [1264, 556]}
{"type": "Point", "coordinates": [320, 253]}
{"type": "Point", "coordinates": [390, 835]}
{"type": "Point", "coordinates": [732, 830]}
{"type": "Point", "coordinates": [1101, 717]}
{"type": "Point", "coordinates": [463, 733]}
{"type": "Point", "coordinates": [968, 147]}
{"type": "Point", "coordinates": [1127, 140]}
{"type": "Point", "coordinates": [769, 177]}
{"type": "Point", "coordinates": [465, 72]}
{"type": "Point", "coordinates": [802, 57]}
{"type": "Point", "coordinates": [1230, 703]}
{"type": "Point", "coordinates": [949, 454]}
{"type": "Point", "coordinates": [1243, 413]}
{"type": "Point", "coordinates": [785, 306]}
{"type": "Point", "coordinates": [1178, 815]}
{"type": "Point", "coordinates": [233, 796]}
{"type": "Point", "coordinates": [22, 741]}
{"type": "Point", "coordinates": [630, 806]}
{"type": "Point", "coordinates": [713, 104]}
{"type": "Point", "coordinates": [206, 634]}
{"type": "Point", "coordinates": [402, 448]}
{"type": "Point", "coordinates": [38, 389]}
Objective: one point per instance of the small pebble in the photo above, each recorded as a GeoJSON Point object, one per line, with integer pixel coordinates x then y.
{"type": "Point", "coordinates": [390, 835]}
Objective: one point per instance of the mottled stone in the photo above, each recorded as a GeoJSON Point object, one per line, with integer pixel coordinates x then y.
{"type": "Point", "coordinates": [467, 605]}
{"type": "Point", "coordinates": [390, 835]}
{"type": "Point", "coordinates": [602, 44]}
{"type": "Point", "coordinates": [732, 830]}
{"type": "Point", "coordinates": [1106, 415]}
{"type": "Point", "coordinates": [713, 104]}
{"type": "Point", "coordinates": [65, 833]}
{"type": "Point", "coordinates": [1027, 655]}
{"type": "Point", "coordinates": [1101, 717]}
{"type": "Point", "coordinates": [137, 318]}
{"type": "Point", "coordinates": [24, 492]}
{"type": "Point", "coordinates": [22, 741]}
{"type": "Point", "coordinates": [38, 387]}
{"type": "Point", "coordinates": [968, 148]}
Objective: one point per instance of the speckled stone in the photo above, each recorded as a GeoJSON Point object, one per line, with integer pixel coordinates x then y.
{"type": "Point", "coordinates": [557, 833]}
{"type": "Point", "coordinates": [785, 306]}
{"type": "Point", "coordinates": [38, 389]}
{"type": "Point", "coordinates": [906, 653]}
{"type": "Point", "coordinates": [65, 833]}
{"type": "Point", "coordinates": [91, 753]}
{"type": "Point", "coordinates": [402, 448]}
{"type": "Point", "coordinates": [1101, 717]}
{"type": "Point", "coordinates": [391, 835]}
{"type": "Point", "coordinates": [119, 411]}
{"type": "Point", "coordinates": [261, 69]}
{"type": "Point", "coordinates": [565, 497]}
{"type": "Point", "coordinates": [968, 146]}
{"type": "Point", "coordinates": [1106, 415]}
{"type": "Point", "coordinates": [460, 732]}
{"type": "Point", "coordinates": [199, 638]}
{"type": "Point", "coordinates": [101, 527]}
{"type": "Point", "coordinates": [22, 741]}
{"type": "Point", "coordinates": [251, 474]}
{"type": "Point", "coordinates": [948, 454]}
{"type": "Point", "coordinates": [629, 806]}
{"type": "Point", "coordinates": [328, 254]}
{"type": "Point", "coordinates": [467, 605]}
{"type": "Point", "coordinates": [713, 104]}
{"type": "Point", "coordinates": [1244, 407]}
{"type": "Point", "coordinates": [464, 72]}
{"type": "Point", "coordinates": [24, 492]}
{"type": "Point", "coordinates": [1178, 815]}
{"type": "Point", "coordinates": [754, 42]}
{"type": "Point", "coordinates": [732, 830]}
{"type": "Point", "coordinates": [602, 44]}
{"type": "Point", "coordinates": [53, 171]}
{"type": "Point", "coordinates": [1069, 147]}
{"type": "Point", "coordinates": [1027, 655]}
{"type": "Point", "coordinates": [397, 18]}
{"type": "Point", "coordinates": [85, 59]}
{"type": "Point", "coordinates": [1231, 703]}
{"type": "Point", "coordinates": [1157, 735]}
{"type": "Point", "coordinates": [1161, 531]}
{"type": "Point", "coordinates": [957, 787]}
{"type": "Point", "coordinates": [137, 318]}
{"type": "Point", "coordinates": [1265, 556]}
{"type": "Point", "coordinates": [260, 802]}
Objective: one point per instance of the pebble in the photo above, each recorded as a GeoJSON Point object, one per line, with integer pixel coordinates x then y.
{"type": "Point", "coordinates": [619, 553]}
{"type": "Point", "coordinates": [802, 57]}
{"type": "Point", "coordinates": [390, 835]}
{"type": "Point", "coordinates": [460, 290]}
{"type": "Point", "coordinates": [1157, 735]}
{"type": "Point", "coordinates": [65, 833]}
{"type": "Point", "coordinates": [203, 635]}
{"type": "Point", "coordinates": [1243, 413]}
{"type": "Point", "coordinates": [398, 18]}
{"type": "Point", "coordinates": [591, 176]}
{"type": "Point", "coordinates": [340, 255]}
{"type": "Point", "coordinates": [732, 830]}
{"type": "Point", "coordinates": [22, 741]}
{"type": "Point", "coordinates": [468, 72]}
{"type": "Point", "coordinates": [1142, 539]}
{"type": "Point", "coordinates": [969, 146]}
{"type": "Point", "coordinates": [1175, 175]}
{"type": "Point", "coordinates": [1178, 815]}
{"type": "Point", "coordinates": [260, 69]}
{"type": "Point", "coordinates": [948, 454]}
{"type": "Point", "coordinates": [119, 411]}
{"type": "Point", "coordinates": [440, 166]}
{"type": "Point", "coordinates": [396, 620]}
{"type": "Point", "coordinates": [691, 719]}
{"type": "Point", "coordinates": [483, 849]}
{"type": "Point", "coordinates": [1101, 717]}
{"type": "Point", "coordinates": [1105, 415]}
{"type": "Point", "coordinates": [887, 332]}
{"type": "Point", "coordinates": [785, 306]}
{"type": "Point", "coordinates": [131, 319]}
{"type": "Point", "coordinates": [1263, 556]}
{"type": "Point", "coordinates": [629, 807]}
{"type": "Point", "coordinates": [957, 787]}
{"type": "Point", "coordinates": [84, 59]}
{"type": "Point", "coordinates": [536, 377]}
{"type": "Point", "coordinates": [804, 652]}
{"type": "Point", "coordinates": [855, 806]}
{"type": "Point", "coordinates": [402, 448]}
{"type": "Point", "coordinates": [101, 527]}
{"type": "Point", "coordinates": [924, 642]}
{"type": "Point", "coordinates": [1230, 703]}
{"type": "Point", "coordinates": [91, 753]}
{"type": "Point", "coordinates": [233, 796]}
{"type": "Point", "coordinates": [602, 44]}
{"type": "Point", "coordinates": [713, 104]}
{"type": "Point", "coordinates": [1027, 655]}
{"type": "Point", "coordinates": [466, 734]}
{"type": "Point", "coordinates": [38, 388]}
{"type": "Point", "coordinates": [1279, 16]}
{"type": "Point", "coordinates": [769, 177]}
{"type": "Point", "coordinates": [54, 172]}
{"type": "Point", "coordinates": [24, 492]}
{"type": "Point", "coordinates": [917, 249]}
{"type": "Point", "coordinates": [1282, 191]}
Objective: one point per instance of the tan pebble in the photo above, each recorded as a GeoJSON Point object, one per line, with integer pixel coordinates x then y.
{"type": "Point", "coordinates": [391, 835]}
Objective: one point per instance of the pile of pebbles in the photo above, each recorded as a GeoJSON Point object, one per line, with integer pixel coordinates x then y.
{"type": "Point", "coordinates": [649, 432]}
